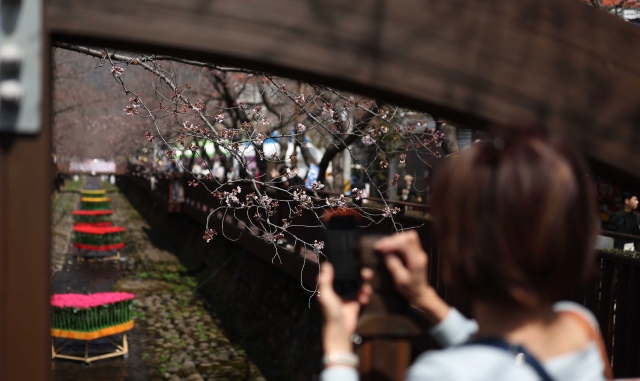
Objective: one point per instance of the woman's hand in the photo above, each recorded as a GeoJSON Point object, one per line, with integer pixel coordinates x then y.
{"type": "Point", "coordinates": [410, 277]}
{"type": "Point", "coordinates": [340, 316]}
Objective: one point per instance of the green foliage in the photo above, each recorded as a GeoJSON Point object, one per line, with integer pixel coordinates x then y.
{"type": "Point", "coordinates": [106, 185]}
{"type": "Point", "coordinates": [171, 277]}
{"type": "Point", "coordinates": [72, 186]}
{"type": "Point", "coordinates": [164, 358]}
{"type": "Point", "coordinates": [190, 282]}
{"type": "Point", "coordinates": [145, 275]}
{"type": "Point", "coordinates": [145, 356]}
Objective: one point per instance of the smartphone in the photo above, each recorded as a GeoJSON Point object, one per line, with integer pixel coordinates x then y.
{"type": "Point", "coordinates": [341, 249]}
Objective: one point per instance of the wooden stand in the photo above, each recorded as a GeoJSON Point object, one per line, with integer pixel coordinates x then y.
{"type": "Point", "coordinates": [80, 258]}
{"type": "Point", "coordinates": [121, 350]}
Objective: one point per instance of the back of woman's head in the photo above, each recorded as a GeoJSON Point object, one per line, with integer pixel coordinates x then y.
{"type": "Point", "coordinates": [515, 213]}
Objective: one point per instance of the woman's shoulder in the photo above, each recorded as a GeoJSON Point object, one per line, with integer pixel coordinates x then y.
{"type": "Point", "coordinates": [568, 306]}
{"type": "Point", "coordinates": [468, 362]}
{"type": "Point", "coordinates": [478, 362]}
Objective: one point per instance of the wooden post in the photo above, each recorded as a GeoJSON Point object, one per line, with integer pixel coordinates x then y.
{"type": "Point", "coordinates": [25, 245]}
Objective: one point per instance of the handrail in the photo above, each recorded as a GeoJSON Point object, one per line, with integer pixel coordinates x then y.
{"type": "Point", "coordinates": [375, 199]}
{"type": "Point", "coordinates": [611, 234]}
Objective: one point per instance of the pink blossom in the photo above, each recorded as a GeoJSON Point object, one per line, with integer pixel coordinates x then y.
{"type": "Point", "coordinates": [387, 212]}
{"type": "Point", "coordinates": [327, 111]}
{"type": "Point", "coordinates": [131, 109]}
{"type": "Point", "coordinates": [209, 234]}
{"type": "Point", "coordinates": [116, 71]}
{"type": "Point", "coordinates": [259, 138]}
{"type": "Point", "coordinates": [367, 140]}
{"type": "Point", "coordinates": [316, 185]}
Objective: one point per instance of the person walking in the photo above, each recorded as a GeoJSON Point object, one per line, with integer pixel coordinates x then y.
{"type": "Point", "coordinates": [174, 175]}
{"type": "Point", "coordinates": [407, 192]}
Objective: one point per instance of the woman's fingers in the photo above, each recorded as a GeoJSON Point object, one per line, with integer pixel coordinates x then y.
{"type": "Point", "coordinates": [325, 278]}
{"type": "Point", "coordinates": [364, 295]}
{"type": "Point", "coordinates": [325, 281]}
{"type": "Point", "coordinates": [395, 266]}
{"type": "Point", "coordinates": [366, 274]}
{"type": "Point", "coordinates": [406, 245]}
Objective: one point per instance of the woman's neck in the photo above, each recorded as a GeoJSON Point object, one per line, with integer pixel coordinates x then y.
{"type": "Point", "coordinates": [514, 324]}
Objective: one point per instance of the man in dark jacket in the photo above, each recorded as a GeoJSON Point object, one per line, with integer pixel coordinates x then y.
{"type": "Point", "coordinates": [407, 192]}
{"type": "Point", "coordinates": [625, 221]}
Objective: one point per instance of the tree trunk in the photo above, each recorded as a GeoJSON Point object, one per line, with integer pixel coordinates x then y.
{"type": "Point", "coordinates": [306, 154]}
{"type": "Point", "coordinates": [337, 171]}
{"type": "Point", "coordinates": [334, 149]}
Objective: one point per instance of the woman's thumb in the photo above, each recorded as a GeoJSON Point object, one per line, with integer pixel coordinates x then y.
{"type": "Point", "coordinates": [396, 268]}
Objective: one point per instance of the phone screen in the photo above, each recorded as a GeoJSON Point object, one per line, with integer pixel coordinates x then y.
{"type": "Point", "coordinates": [341, 239]}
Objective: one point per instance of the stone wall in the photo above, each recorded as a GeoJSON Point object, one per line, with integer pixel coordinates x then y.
{"type": "Point", "coordinates": [266, 311]}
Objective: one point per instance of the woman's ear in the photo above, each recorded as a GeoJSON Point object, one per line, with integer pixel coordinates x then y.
{"type": "Point", "coordinates": [524, 297]}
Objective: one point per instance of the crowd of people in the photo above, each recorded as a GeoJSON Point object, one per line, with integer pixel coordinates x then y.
{"type": "Point", "coordinates": [281, 177]}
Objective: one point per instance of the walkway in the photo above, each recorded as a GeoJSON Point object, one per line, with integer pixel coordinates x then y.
{"type": "Point", "coordinates": [174, 337]}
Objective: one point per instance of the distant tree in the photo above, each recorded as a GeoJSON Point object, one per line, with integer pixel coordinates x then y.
{"type": "Point", "coordinates": [85, 125]}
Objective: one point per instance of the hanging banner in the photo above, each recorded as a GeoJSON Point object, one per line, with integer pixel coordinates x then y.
{"type": "Point", "coordinates": [90, 166]}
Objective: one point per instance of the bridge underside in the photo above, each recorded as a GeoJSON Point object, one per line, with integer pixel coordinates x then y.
{"type": "Point", "coordinates": [560, 65]}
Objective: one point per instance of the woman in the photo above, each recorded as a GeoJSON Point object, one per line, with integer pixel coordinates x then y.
{"type": "Point", "coordinates": [516, 223]}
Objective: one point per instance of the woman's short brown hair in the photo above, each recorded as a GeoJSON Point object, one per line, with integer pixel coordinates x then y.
{"type": "Point", "coordinates": [515, 212]}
